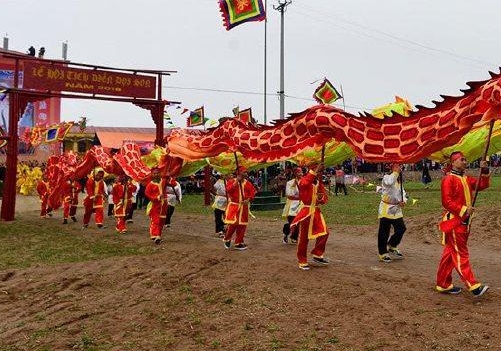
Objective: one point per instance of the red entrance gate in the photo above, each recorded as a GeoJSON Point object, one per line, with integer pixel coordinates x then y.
{"type": "Point", "coordinates": [44, 79]}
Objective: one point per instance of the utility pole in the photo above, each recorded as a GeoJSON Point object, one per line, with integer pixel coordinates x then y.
{"type": "Point", "coordinates": [282, 5]}
{"type": "Point", "coordinates": [65, 51]}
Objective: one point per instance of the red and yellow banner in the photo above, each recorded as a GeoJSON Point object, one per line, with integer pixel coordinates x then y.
{"type": "Point", "coordinates": [42, 76]}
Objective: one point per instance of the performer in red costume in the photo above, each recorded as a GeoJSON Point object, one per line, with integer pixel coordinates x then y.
{"type": "Point", "coordinates": [121, 202]}
{"type": "Point", "coordinates": [43, 193]}
{"type": "Point", "coordinates": [457, 190]}
{"type": "Point", "coordinates": [240, 191]}
{"type": "Point", "coordinates": [71, 188]}
{"type": "Point", "coordinates": [93, 202]}
{"type": "Point", "coordinates": [157, 207]}
{"type": "Point", "coordinates": [310, 220]}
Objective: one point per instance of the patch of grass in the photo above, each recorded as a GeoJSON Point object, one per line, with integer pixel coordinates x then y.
{"type": "Point", "coordinates": [215, 344]}
{"type": "Point", "coordinates": [273, 328]}
{"type": "Point", "coordinates": [361, 205]}
{"type": "Point", "coordinates": [276, 344]}
{"type": "Point", "coordinates": [333, 340]}
{"type": "Point", "coordinates": [228, 301]}
{"type": "Point", "coordinates": [185, 288]}
{"type": "Point", "coordinates": [25, 242]}
{"type": "Point", "coordinates": [86, 343]}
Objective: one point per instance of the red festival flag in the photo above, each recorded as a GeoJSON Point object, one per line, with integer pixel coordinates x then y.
{"type": "Point", "coordinates": [236, 12]}
{"type": "Point", "coordinates": [245, 116]}
{"type": "Point", "coordinates": [63, 129]}
{"type": "Point", "coordinates": [326, 93]}
{"type": "Point", "coordinates": [196, 118]}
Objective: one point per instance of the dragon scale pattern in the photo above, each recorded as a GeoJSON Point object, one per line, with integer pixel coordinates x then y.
{"type": "Point", "coordinates": [398, 139]}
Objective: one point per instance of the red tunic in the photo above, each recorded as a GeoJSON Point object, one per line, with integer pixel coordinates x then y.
{"type": "Point", "coordinates": [95, 193]}
{"type": "Point", "coordinates": [119, 199]}
{"type": "Point", "coordinates": [456, 196]}
{"type": "Point", "coordinates": [311, 195]}
{"type": "Point", "coordinates": [157, 208]}
{"type": "Point", "coordinates": [239, 196]}
{"type": "Point", "coordinates": [43, 194]}
{"type": "Point", "coordinates": [70, 197]}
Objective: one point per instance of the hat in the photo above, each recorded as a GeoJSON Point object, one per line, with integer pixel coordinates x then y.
{"type": "Point", "coordinates": [456, 155]}
{"type": "Point", "coordinates": [241, 169]}
{"type": "Point", "coordinates": [98, 170]}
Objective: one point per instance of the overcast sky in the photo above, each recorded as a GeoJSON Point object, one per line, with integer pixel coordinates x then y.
{"type": "Point", "coordinates": [373, 49]}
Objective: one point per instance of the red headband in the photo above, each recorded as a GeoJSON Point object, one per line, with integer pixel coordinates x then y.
{"type": "Point", "coordinates": [456, 156]}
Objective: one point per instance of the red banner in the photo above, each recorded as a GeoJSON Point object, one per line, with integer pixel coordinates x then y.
{"type": "Point", "coordinates": [46, 77]}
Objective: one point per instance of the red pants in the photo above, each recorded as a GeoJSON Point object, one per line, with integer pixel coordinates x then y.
{"type": "Point", "coordinates": [88, 213]}
{"type": "Point", "coordinates": [302, 243]}
{"type": "Point", "coordinates": [455, 256]}
{"type": "Point", "coordinates": [69, 210]}
{"type": "Point", "coordinates": [43, 207]}
{"type": "Point", "coordinates": [120, 225]}
{"type": "Point", "coordinates": [156, 226]}
{"type": "Point", "coordinates": [239, 229]}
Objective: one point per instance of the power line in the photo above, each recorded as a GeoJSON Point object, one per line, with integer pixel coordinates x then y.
{"type": "Point", "coordinates": [255, 93]}
{"type": "Point", "coordinates": [217, 90]}
{"type": "Point", "coordinates": [391, 36]}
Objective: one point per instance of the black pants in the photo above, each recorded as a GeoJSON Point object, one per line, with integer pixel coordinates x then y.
{"type": "Point", "coordinates": [131, 211]}
{"type": "Point", "coordinates": [287, 228]}
{"type": "Point", "coordinates": [111, 207]}
{"type": "Point", "coordinates": [339, 187]}
{"type": "Point", "coordinates": [218, 218]}
{"type": "Point", "coordinates": [140, 202]}
{"type": "Point", "coordinates": [384, 233]}
{"type": "Point", "coordinates": [170, 212]}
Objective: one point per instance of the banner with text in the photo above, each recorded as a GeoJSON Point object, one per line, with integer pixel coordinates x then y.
{"type": "Point", "coordinates": [46, 77]}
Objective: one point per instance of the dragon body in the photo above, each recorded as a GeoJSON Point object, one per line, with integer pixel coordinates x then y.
{"type": "Point", "coordinates": [397, 139]}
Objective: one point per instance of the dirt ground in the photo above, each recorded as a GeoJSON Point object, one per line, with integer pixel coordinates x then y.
{"type": "Point", "coordinates": [192, 294]}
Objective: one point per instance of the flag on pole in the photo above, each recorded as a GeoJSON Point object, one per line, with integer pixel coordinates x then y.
{"type": "Point", "coordinates": [245, 116]}
{"type": "Point", "coordinates": [212, 122]}
{"type": "Point", "coordinates": [236, 12]}
{"type": "Point", "coordinates": [326, 93]}
{"type": "Point", "coordinates": [63, 129]}
{"type": "Point", "coordinates": [235, 110]}
{"type": "Point", "coordinates": [196, 118]}
{"type": "Point", "coordinates": [51, 134]}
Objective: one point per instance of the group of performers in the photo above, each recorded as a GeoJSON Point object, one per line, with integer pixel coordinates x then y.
{"type": "Point", "coordinates": [305, 193]}
{"type": "Point", "coordinates": [163, 195]}
{"type": "Point", "coordinates": [305, 221]}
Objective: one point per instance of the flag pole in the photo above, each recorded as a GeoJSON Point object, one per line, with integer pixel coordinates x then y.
{"type": "Point", "coordinates": [265, 173]}
{"type": "Point", "coordinates": [342, 94]}
{"type": "Point", "coordinates": [484, 158]}
{"type": "Point", "coordinates": [237, 173]}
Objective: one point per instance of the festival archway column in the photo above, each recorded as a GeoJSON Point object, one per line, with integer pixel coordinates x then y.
{"type": "Point", "coordinates": [9, 189]}
{"type": "Point", "coordinates": [17, 103]}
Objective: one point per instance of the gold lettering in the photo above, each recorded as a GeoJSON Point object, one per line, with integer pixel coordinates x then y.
{"type": "Point", "coordinates": [54, 73]}
{"type": "Point", "coordinates": [102, 77]}
{"type": "Point", "coordinates": [123, 81]}
{"type": "Point", "coordinates": [142, 83]}
{"type": "Point", "coordinates": [77, 75]}
{"type": "Point", "coordinates": [79, 86]}
{"type": "Point", "coordinates": [39, 72]}
{"type": "Point", "coordinates": [107, 88]}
